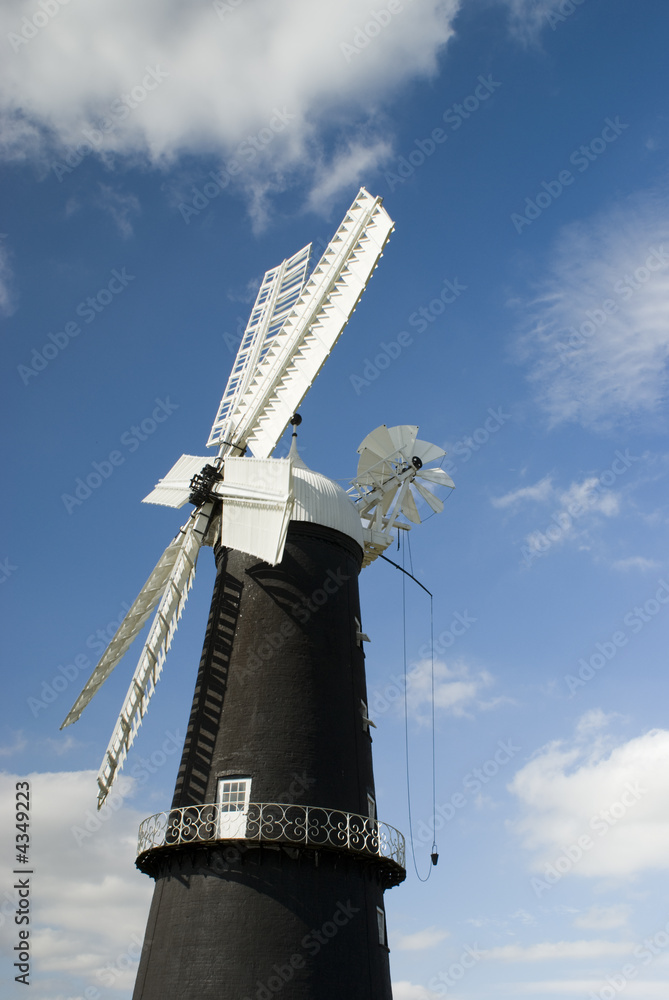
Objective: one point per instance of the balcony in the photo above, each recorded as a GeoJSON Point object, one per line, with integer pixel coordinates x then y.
{"type": "Point", "coordinates": [313, 827]}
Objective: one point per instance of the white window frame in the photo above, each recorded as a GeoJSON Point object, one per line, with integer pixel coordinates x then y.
{"type": "Point", "coordinates": [233, 794]}
{"type": "Point", "coordinates": [366, 721]}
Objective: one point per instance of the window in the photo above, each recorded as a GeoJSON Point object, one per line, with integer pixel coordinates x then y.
{"type": "Point", "coordinates": [371, 806]}
{"type": "Point", "coordinates": [233, 804]}
{"type": "Point", "coordinates": [233, 794]}
{"type": "Point", "coordinates": [381, 921]}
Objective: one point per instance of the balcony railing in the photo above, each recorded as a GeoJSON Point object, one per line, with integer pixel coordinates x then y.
{"type": "Point", "coordinates": [307, 826]}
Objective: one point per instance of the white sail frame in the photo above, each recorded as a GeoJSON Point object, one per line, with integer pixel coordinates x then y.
{"type": "Point", "coordinates": [259, 413]}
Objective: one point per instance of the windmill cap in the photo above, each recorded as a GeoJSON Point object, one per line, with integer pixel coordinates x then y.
{"type": "Point", "coordinates": [319, 500]}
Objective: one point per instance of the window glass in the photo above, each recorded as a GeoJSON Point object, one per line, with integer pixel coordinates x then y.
{"type": "Point", "coordinates": [233, 794]}
{"type": "Point", "coordinates": [381, 920]}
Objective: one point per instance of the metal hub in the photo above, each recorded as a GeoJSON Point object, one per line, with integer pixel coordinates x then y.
{"type": "Point", "coordinates": [202, 484]}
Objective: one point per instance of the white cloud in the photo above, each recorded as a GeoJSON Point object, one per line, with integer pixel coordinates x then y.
{"type": "Point", "coordinates": [594, 721]}
{"type": "Point", "coordinates": [60, 746]}
{"type": "Point", "coordinates": [426, 938]}
{"type": "Point", "coordinates": [639, 990]}
{"type": "Point", "coordinates": [576, 511]}
{"type": "Point", "coordinates": [589, 496]}
{"type": "Point", "coordinates": [119, 206]}
{"type": "Point", "coordinates": [541, 491]}
{"type": "Point", "coordinates": [90, 903]}
{"type": "Point", "coordinates": [175, 77]}
{"type": "Point", "coordinates": [347, 166]}
{"type": "Point", "coordinates": [636, 562]}
{"type": "Point", "coordinates": [547, 951]}
{"type": "Point", "coordinates": [19, 744]}
{"type": "Point", "coordinates": [598, 335]}
{"type": "Point", "coordinates": [405, 990]}
{"type": "Point", "coordinates": [617, 798]}
{"type": "Point", "coordinates": [502, 923]}
{"type": "Point", "coordinates": [603, 918]}
{"type": "Point", "coordinates": [456, 690]}
{"type": "Point", "coordinates": [527, 18]}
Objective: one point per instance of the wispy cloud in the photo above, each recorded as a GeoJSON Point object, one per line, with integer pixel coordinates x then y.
{"type": "Point", "coordinates": [350, 164]}
{"type": "Point", "coordinates": [569, 516]}
{"type": "Point", "coordinates": [603, 918]}
{"type": "Point", "coordinates": [528, 18]}
{"type": "Point", "coordinates": [419, 940]}
{"type": "Point", "coordinates": [543, 490]}
{"type": "Point", "coordinates": [20, 140]}
{"type": "Point", "coordinates": [547, 951]}
{"type": "Point", "coordinates": [636, 562]}
{"type": "Point", "coordinates": [586, 495]}
{"type": "Point", "coordinates": [597, 340]}
{"type": "Point", "coordinates": [18, 746]}
{"type": "Point", "coordinates": [576, 512]}
{"type": "Point", "coordinates": [577, 988]}
{"type": "Point", "coordinates": [59, 747]}
{"type": "Point", "coordinates": [457, 690]}
{"type": "Point", "coordinates": [121, 207]}
{"type": "Point", "coordinates": [405, 990]}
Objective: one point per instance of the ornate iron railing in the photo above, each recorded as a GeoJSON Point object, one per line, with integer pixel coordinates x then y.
{"type": "Point", "coordinates": [308, 826]}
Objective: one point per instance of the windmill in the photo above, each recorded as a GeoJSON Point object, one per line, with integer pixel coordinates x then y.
{"type": "Point", "coordinates": [281, 684]}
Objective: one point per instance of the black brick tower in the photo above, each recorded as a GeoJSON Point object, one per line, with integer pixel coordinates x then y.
{"type": "Point", "coordinates": [270, 867]}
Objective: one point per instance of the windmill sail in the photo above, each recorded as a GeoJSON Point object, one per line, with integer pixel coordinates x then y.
{"type": "Point", "coordinates": [257, 504]}
{"type": "Point", "coordinates": [256, 494]}
{"type": "Point", "coordinates": [174, 489]}
{"type": "Point", "coordinates": [258, 415]}
{"type": "Point", "coordinates": [129, 628]}
{"type": "Point", "coordinates": [280, 289]}
{"type": "Point", "coordinates": [151, 661]}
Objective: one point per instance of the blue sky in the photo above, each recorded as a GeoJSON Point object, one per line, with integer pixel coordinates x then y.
{"type": "Point", "coordinates": [156, 160]}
